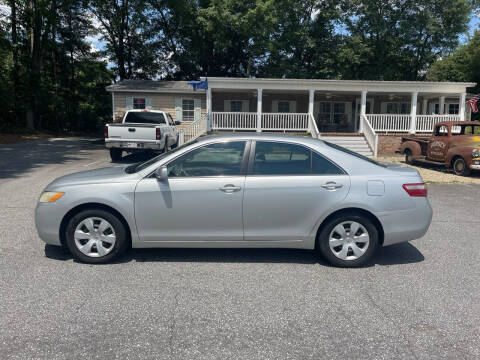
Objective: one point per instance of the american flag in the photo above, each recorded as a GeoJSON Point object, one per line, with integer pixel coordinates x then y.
{"type": "Point", "coordinates": [473, 103]}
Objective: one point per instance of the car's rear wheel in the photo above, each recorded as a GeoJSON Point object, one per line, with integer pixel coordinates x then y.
{"type": "Point", "coordinates": [460, 167]}
{"type": "Point", "coordinates": [96, 236]}
{"type": "Point", "coordinates": [408, 157]}
{"type": "Point", "coordinates": [116, 154]}
{"type": "Point", "coordinates": [348, 240]}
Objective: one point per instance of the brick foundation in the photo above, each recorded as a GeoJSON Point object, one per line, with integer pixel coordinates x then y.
{"type": "Point", "coordinates": [388, 144]}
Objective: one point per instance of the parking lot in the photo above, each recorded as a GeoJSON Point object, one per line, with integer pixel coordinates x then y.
{"type": "Point", "coordinates": [418, 300]}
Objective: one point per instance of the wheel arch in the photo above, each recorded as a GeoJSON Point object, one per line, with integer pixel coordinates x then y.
{"type": "Point", "coordinates": [91, 206]}
{"type": "Point", "coordinates": [356, 211]}
{"type": "Point", "coordinates": [413, 146]}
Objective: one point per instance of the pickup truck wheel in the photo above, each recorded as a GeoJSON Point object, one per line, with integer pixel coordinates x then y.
{"type": "Point", "coordinates": [460, 167]}
{"type": "Point", "coordinates": [408, 157]}
{"type": "Point", "coordinates": [116, 154]}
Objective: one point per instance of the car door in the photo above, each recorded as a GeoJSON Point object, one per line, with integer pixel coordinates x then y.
{"type": "Point", "coordinates": [200, 201]}
{"type": "Point", "coordinates": [287, 189]}
{"type": "Point", "coordinates": [437, 148]}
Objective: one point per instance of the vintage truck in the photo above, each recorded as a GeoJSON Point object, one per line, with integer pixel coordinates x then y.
{"type": "Point", "coordinates": [454, 144]}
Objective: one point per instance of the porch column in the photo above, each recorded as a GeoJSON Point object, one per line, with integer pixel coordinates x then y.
{"type": "Point", "coordinates": [311, 99]}
{"type": "Point", "coordinates": [441, 105]}
{"type": "Point", "coordinates": [209, 109]}
{"type": "Point", "coordinates": [363, 109]}
{"type": "Point", "coordinates": [413, 112]}
{"type": "Point", "coordinates": [461, 107]}
{"type": "Point", "coordinates": [424, 106]}
{"type": "Point", "coordinates": [259, 110]}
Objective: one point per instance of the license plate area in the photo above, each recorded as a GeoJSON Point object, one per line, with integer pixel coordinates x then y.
{"type": "Point", "coordinates": [132, 144]}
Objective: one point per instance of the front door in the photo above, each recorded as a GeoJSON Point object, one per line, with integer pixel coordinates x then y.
{"type": "Point", "coordinates": [287, 189]}
{"type": "Point", "coordinates": [437, 148]}
{"type": "Point", "coordinates": [200, 201]}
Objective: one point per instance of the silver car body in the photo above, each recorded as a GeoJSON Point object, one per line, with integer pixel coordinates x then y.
{"type": "Point", "coordinates": [266, 211]}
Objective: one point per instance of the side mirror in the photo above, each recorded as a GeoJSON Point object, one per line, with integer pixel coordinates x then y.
{"type": "Point", "coordinates": [177, 122]}
{"type": "Point", "coordinates": [161, 173]}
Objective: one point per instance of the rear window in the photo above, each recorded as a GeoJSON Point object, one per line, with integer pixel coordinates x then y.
{"type": "Point", "coordinates": [145, 118]}
{"type": "Point", "coordinates": [353, 153]}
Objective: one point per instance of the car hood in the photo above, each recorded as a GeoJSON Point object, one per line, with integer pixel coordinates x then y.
{"type": "Point", "coordinates": [108, 174]}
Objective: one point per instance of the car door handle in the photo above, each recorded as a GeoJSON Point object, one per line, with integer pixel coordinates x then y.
{"type": "Point", "coordinates": [230, 188]}
{"type": "Point", "coordinates": [331, 185]}
{"type": "Point", "coordinates": [131, 129]}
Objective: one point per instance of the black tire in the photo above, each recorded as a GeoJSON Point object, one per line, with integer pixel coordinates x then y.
{"type": "Point", "coordinates": [121, 242]}
{"type": "Point", "coordinates": [323, 240]}
{"type": "Point", "coordinates": [460, 167]}
{"type": "Point", "coordinates": [408, 157]}
{"type": "Point", "coordinates": [116, 154]}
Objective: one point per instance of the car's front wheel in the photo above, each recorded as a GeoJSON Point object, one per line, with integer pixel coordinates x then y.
{"type": "Point", "coordinates": [96, 236]}
{"type": "Point", "coordinates": [348, 240]}
{"type": "Point", "coordinates": [460, 167]}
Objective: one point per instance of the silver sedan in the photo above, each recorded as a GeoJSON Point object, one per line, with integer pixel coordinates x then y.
{"type": "Point", "coordinates": [256, 191]}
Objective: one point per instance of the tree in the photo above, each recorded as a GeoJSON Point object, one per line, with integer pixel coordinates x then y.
{"type": "Point", "coordinates": [399, 39]}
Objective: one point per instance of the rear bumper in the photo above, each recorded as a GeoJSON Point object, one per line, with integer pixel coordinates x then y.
{"type": "Point", "coordinates": [406, 225]}
{"type": "Point", "coordinates": [140, 145]}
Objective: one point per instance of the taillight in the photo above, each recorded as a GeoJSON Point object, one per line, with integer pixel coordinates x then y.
{"type": "Point", "coordinates": [105, 132]}
{"type": "Point", "coordinates": [419, 189]}
{"type": "Point", "coordinates": [158, 134]}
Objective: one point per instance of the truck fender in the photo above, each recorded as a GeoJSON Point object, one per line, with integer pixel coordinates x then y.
{"type": "Point", "coordinates": [452, 153]}
{"type": "Point", "coordinates": [413, 146]}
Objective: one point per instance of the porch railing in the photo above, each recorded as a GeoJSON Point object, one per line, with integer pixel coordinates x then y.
{"type": "Point", "coordinates": [285, 121]}
{"type": "Point", "coordinates": [370, 135]}
{"type": "Point", "coordinates": [269, 121]}
{"type": "Point", "coordinates": [425, 123]}
{"type": "Point", "coordinates": [389, 122]}
{"type": "Point", "coordinates": [234, 120]}
{"type": "Point", "coordinates": [194, 130]}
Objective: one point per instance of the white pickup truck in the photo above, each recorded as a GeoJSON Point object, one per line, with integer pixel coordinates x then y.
{"type": "Point", "coordinates": [141, 130]}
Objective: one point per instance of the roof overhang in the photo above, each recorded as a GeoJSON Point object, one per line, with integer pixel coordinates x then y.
{"type": "Point", "coordinates": [338, 85]}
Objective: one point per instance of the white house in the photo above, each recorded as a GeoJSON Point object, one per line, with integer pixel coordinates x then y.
{"type": "Point", "coordinates": [376, 111]}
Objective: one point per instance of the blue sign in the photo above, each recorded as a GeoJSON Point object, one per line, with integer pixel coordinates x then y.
{"type": "Point", "coordinates": [198, 84]}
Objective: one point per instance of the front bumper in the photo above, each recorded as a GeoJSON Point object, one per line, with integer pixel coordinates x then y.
{"type": "Point", "coordinates": [48, 217]}
{"type": "Point", "coordinates": [140, 145]}
{"type": "Point", "coordinates": [475, 165]}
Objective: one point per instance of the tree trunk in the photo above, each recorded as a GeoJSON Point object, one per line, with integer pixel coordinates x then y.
{"type": "Point", "coordinates": [15, 56]}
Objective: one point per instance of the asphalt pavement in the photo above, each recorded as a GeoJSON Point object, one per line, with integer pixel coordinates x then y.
{"type": "Point", "coordinates": [418, 300]}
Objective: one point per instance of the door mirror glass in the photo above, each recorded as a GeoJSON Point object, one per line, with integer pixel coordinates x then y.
{"type": "Point", "coordinates": [161, 173]}
{"type": "Point", "coordinates": [178, 122]}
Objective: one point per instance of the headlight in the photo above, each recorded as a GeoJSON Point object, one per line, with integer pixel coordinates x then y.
{"type": "Point", "coordinates": [476, 153]}
{"type": "Point", "coordinates": [50, 196]}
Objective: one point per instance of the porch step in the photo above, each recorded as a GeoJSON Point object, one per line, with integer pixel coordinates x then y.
{"type": "Point", "coordinates": [354, 143]}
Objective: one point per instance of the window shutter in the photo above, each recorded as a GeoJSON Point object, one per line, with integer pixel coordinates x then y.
{"type": "Point", "coordinates": [245, 105]}
{"type": "Point", "coordinates": [197, 107]}
{"type": "Point", "coordinates": [148, 103]}
{"type": "Point", "coordinates": [227, 106]}
{"type": "Point", "coordinates": [274, 106]}
{"type": "Point", "coordinates": [384, 108]}
{"type": "Point", "coordinates": [129, 103]}
{"type": "Point", "coordinates": [293, 106]}
{"type": "Point", "coordinates": [348, 111]}
{"type": "Point", "coordinates": [178, 109]}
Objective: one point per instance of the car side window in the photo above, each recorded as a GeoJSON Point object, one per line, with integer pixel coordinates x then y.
{"type": "Point", "coordinates": [322, 166]}
{"type": "Point", "coordinates": [272, 158]}
{"type": "Point", "coordinates": [220, 159]}
{"type": "Point", "coordinates": [441, 131]}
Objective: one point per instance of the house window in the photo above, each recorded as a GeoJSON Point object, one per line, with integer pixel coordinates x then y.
{"type": "Point", "coordinates": [392, 108]}
{"type": "Point", "coordinates": [324, 111]}
{"type": "Point", "coordinates": [236, 105]}
{"type": "Point", "coordinates": [139, 103]}
{"type": "Point", "coordinates": [398, 108]}
{"type": "Point", "coordinates": [339, 112]}
{"type": "Point", "coordinates": [284, 106]}
{"type": "Point", "coordinates": [437, 108]}
{"type": "Point", "coordinates": [453, 109]}
{"type": "Point", "coordinates": [405, 108]}
{"type": "Point", "coordinates": [187, 109]}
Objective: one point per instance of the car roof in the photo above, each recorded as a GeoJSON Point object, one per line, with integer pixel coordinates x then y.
{"type": "Point", "coordinates": [261, 136]}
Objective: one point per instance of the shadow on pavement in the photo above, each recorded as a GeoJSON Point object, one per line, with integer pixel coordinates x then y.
{"type": "Point", "coordinates": [404, 253]}
{"type": "Point", "coordinates": [19, 158]}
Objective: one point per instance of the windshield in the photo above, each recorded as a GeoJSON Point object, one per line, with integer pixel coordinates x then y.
{"type": "Point", "coordinates": [134, 168]}
{"type": "Point", "coordinates": [145, 118]}
{"type": "Point", "coordinates": [353, 153]}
